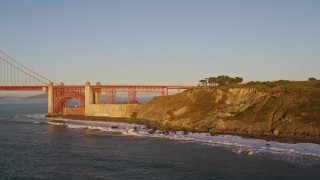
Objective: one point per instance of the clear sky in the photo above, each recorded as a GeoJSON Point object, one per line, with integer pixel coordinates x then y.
{"type": "Point", "coordinates": [163, 41]}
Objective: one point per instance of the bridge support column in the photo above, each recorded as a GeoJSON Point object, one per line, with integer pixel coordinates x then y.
{"type": "Point", "coordinates": [50, 98]}
{"type": "Point", "coordinates": [164, 92]}
{"type": "Point", "coordinates": [88, 98]}
{"type": "Point", "coordinates": [61, 93]}
{"type": "Point", "coordinates": [111, 96]}
{"type": "Point", "coordinates": [97, 95]}
{"type": "Point", "coordinates": [132, 97]}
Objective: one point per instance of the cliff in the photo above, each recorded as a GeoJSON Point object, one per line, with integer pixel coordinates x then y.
{"type": "Point", "coordinates": [280, 108]}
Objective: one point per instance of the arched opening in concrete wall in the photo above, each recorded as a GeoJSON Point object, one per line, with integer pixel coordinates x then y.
{"type": "Point", "coordinates": [73, 103]}
{"type": "Point", "coordinates": [68, 100]}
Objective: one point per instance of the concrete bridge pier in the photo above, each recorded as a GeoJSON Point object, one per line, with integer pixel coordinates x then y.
{"type": "Point", "coordinates": [88, 99]}
{"type": "Point", "coordinates": [97, 95]}
{"type": "Point", "coordinates": [50, 98]}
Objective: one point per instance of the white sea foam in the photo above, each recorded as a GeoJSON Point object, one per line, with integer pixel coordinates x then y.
{"type": "Point", "coordinates": [294, 152]}
{"type": "Point", "coordinates": [37, 116]}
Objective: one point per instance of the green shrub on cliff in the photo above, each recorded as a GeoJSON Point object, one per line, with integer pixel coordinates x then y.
{"type": "Point", "coordinates": [219, 81]}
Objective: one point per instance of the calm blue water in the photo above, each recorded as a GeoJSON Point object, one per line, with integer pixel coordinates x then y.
{"type": "Point", "coordinates": [32, 148]}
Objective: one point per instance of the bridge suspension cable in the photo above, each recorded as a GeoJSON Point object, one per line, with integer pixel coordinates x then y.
{"type": "Point", "coordinates": [13, 73]}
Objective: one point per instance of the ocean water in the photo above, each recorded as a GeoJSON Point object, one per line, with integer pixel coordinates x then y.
{"type": "Point", "coordinates": [35, 147]}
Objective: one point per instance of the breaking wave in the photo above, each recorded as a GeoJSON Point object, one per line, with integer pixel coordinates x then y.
{"type": "Point", "coordinates": [301, 153]}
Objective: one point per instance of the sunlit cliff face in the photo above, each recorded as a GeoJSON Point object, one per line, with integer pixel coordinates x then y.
{"type": "Point", "coordinates": [240, 110]}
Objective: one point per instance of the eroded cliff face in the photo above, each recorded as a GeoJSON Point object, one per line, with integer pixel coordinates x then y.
{"type": "Point", "coordinates": [238, 110]}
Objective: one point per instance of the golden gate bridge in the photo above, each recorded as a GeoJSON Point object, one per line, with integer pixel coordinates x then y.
{"type": "Point", "coordinates": [16, 77]}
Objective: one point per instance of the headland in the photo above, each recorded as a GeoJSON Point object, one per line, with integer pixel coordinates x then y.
{"type": "Point", "coordinates": [282, 110]}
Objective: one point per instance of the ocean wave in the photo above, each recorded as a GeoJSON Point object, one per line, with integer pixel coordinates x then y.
{"type": "Point", "coordinates": [303, 153]}
{"type": "Point", "coordinates": [36, 116]}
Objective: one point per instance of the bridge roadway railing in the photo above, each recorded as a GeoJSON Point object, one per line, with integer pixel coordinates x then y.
{"type": "Point", "coordinates": [119, 88]}
{"type": "Point", "coordinates": [23, 88]}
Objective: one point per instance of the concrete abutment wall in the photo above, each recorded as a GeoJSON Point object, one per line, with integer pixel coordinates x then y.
{"type": "Point", "coordinates": [93, 105]}
{"type": "Point", "coordinates": [113, 110]}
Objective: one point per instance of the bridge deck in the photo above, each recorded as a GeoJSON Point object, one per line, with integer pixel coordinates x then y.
{"type": "Point", "coordinates": [144, 88]}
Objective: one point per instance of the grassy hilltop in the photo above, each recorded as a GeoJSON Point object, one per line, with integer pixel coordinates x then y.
{"type": "Point", "coordinates": [281, 108]}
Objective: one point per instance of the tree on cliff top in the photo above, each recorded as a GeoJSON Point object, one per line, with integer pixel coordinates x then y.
{"type": "Point", "coordinates": [202, 83]}
{"type": "Point", "coordinates": [220, 80]}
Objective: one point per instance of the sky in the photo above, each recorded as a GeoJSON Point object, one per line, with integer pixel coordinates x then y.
{"type": "Point", "coordinates": [169, 42]}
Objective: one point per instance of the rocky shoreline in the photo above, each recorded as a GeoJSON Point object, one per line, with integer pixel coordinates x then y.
{"type": "Point", "coordinates": [156, 126]}
{"type": "Point", "coordinates": [281, 111]}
